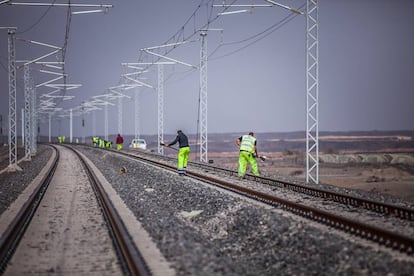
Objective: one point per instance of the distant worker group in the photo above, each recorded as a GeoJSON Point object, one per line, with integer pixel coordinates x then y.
{"type": "Point", "coordinates": [247, 151]}
{"type": "Point", "coordinates": [61, 139]}
{"type": "Point", "coordinates": [100, 142]}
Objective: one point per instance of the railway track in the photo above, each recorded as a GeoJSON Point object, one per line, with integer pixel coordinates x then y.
{"type": "Point", "coordinates": [23, 230]}
{"type": "Point", "coordinates": [162, 201]}
{"type": "Point", "coordinates": [354, 224]}
{"type": "Point", "coordinates": [375, 206]}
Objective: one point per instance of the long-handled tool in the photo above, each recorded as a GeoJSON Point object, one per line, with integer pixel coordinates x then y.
{"type": "Point", "coordinates": [164, 145]}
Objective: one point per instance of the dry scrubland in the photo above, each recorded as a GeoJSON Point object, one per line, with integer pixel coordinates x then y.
{"type": "Point", "coordinates": [381, 162]}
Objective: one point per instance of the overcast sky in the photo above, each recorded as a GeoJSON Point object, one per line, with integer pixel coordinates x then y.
{"type": "Point", "coordinates": [256, 66]}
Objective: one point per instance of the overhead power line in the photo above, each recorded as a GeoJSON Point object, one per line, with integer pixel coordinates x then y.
{"type": "Point", "coordinates": [37, 21]}
{"type": "Point", "coordinates": [261, 35]}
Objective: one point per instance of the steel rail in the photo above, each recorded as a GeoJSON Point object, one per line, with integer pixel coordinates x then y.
{"type": "Point", "coordinates": [375, 206]}
{"type": "Point", "coordinates": [382, 236]}
{"type": "Point", "coordinates": [15, 231]}
{"type": "Point", "coordinates": [132, 260]}
{"type": "Point", "coordinates": [370, 232]}
{"type": "Point", "coordinates": [379, 207]}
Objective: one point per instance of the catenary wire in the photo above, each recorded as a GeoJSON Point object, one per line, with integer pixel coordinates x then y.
{"type": "Point", "coordinates": [38, 21]}
{"type": "Point", "coordinates": [263, 34]}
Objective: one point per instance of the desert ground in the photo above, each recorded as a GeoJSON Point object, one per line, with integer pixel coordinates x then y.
{"type": "Point", "coordinates": [395, 180]}
{"type": "Point", "coordinates": [370, 161]}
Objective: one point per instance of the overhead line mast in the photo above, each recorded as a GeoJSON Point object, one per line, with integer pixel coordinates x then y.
{"type": "Point", "coordinates": [312, 92]}
{"type": "Point", "coordinates": [312, 79]}
{"type": "Point", "coordinates": [160, 89]}
{"type": "Point", "coordinates": [12, 101]}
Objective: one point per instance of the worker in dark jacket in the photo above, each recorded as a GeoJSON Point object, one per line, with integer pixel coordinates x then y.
{"type": "Point", "coordinates": [183, 151]}
{"type": "Point", "coordinates": [119, 141]}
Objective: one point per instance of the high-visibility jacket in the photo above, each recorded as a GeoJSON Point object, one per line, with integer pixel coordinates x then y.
{"type": "Point", "coordinates": [247, 143]}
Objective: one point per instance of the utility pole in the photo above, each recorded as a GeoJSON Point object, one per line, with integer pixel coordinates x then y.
{"type": "Point", "coordinates": [33, 144]}
{"type": "Point", "coordinates": [203, 98]}
{"type": "Point", "coordinates": [312, 80]}
{"type": "Point", "coordinates": [136, 113]}
{"type": "Point", "coordinates": [120, 97]}
{"type": "Point", "coordinates": [70, 126]}
{"type": "Point", "coordinates": [94, 123]}
{"type": "Point", "coordinates": [50, 127]}
{"type": "Point", "coordinates": [27, 113]}
{"type": "Point", "coordinates": [136, 84]}
{"type": "Point", "coordinates": [106, 120]}
{"type": "Point", "coordinates": [22, 116]}
{"type": "Point", "coordinates": [120, 113]}
{"type": "Point", "coordinates": [97, 101]}
{"type": "Point", "coordinates": [160, 108]}
{"type": "Point", "coordinates": [312, 92]}
{"type": "Point", "coordinates": [161, 86]}
{"type": "Point", "coordinates": [12, 100]}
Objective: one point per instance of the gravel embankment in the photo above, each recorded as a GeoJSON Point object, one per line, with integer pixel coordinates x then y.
{"type": "Point", "coordinates": [12, 184]}
{"type": "Point", "coordinates": [232, 236]}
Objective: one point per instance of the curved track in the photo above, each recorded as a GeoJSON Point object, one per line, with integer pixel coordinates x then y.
{"type": "Point", "coordinates": [129, 257]}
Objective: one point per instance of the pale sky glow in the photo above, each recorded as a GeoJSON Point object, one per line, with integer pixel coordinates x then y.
{"type": "Point", "coordinates": [256, 66]}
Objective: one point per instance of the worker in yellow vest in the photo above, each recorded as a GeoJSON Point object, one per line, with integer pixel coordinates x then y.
{"type": "Point", "coordinates": [108, 144]}
{"type": "Point", "coordinates": [247, 154]}
{"type": "Point", "coordinates": [101, 143]}
{"type": "Point", "coordinates": [95, 140]}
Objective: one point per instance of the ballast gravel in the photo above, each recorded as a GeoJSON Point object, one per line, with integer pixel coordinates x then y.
{"type": "Point", "coordinates": [12, 184]}
{"type": "Point", "coordinates": [205, 231]}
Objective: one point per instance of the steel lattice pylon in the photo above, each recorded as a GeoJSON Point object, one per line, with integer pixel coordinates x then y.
{"type": "Point", "coordinates": [94, 123]}
{"type": "Point", "coordinates": [12, 101]}
{"type": "Point", "coordinates": [120, 111]}
{"type": "Point", "coordinates": [106, 121]}
{"type": "Point", "coordinates": [137, 117]}
{"type": "Point", "coordinates": [33, 135]}
{"type": "Point", "coordinates": [70, 125]}
{"type": "Point", "coordinates": [160, 108]}
{"type": "Point", "coordinates": [50, 127]}
{"type": "Point", "coordinates": [27, 112]}
{"type": "Point", "coordinates": [312, 87]}
{"type": "Point", "coordinates": [203, 98]}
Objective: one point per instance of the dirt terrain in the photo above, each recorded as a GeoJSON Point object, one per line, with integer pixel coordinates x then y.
{"type": "Point", "coordinates": [395, 180]}
{"type": "Point", "coordinates": [381, 162]}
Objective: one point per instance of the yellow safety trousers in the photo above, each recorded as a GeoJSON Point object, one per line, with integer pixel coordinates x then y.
{"type": "Point", "coordinates": [183, 154]}
{"type": "Point", "coordinates": [244, 159]}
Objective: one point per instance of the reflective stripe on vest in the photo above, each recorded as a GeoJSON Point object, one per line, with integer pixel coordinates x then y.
{"type": "Point", "coordinates": [247, 143]}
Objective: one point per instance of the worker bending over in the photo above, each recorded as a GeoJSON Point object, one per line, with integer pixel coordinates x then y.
{"type": "Point", "coordinates": [247, 154]}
